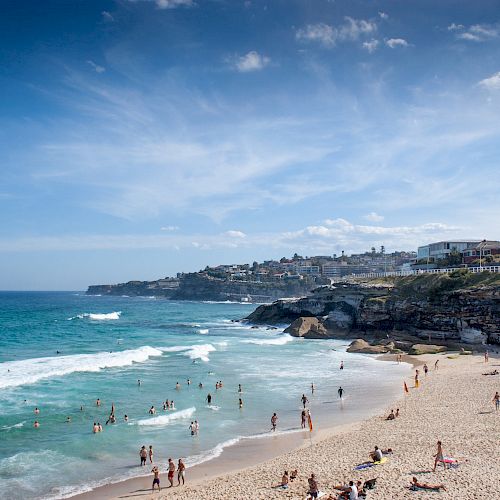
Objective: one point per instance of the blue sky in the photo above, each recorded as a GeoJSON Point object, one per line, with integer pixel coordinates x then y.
{"type": "Point", "coordinates": [142, 138]}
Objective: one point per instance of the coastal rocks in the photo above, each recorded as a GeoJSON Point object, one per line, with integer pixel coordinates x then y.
{"type": "Point", "coordinates": [417, 349]}
{"type": "Point", "coordinates": [309, 328]}
{"type": "Point", "coordinates": [447, 309]}
{"type": "Point", "coordinates": [362, 347]}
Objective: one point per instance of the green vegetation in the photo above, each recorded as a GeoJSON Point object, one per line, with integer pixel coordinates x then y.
{"type": "Point", "coordinates": [432, 286]}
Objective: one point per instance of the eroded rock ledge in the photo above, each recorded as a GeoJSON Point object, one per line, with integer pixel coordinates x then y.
{"type": "Point", "coordinates": [427, 309]}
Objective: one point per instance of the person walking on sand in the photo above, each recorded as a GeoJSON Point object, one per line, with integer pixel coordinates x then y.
{"type": "Point", "coordinates": [340, 392]}
{"type": "Point", "coordinates": [426, 369]}
{"type": "Point", "coordinates": [156, 478]}
{"type": "Point", "coordinates": [436, 364]}
{"type": "Point", "coordinates": [304, 400]}
{"type": "Point", "coordinates": [496, 400]}
{"type": "Point", "coordinates": [274, 421]}
{"type": "Point", "coordinates": [439, 457]}
{"type": "Point", "coordinates": [417, 383]}
{"type": "Point", "coordinates": [150, 454]}
{"type": "Point", "coordinates": [171, 470]}
{"type": "Point", "coordinates": [181, 472]}
{"type": "Point", "coordinates": [486, 356]}
{"type": "Point", "coordinates": [143, 453]}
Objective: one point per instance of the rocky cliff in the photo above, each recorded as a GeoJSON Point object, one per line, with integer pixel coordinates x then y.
{"type": "Point", "coordinates": [198, 286]}
{"type": "Point", "coordinates": [459, 307]}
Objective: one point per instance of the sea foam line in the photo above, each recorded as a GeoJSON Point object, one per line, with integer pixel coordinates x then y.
{"type": "Point", "coordinates": [199, 351]}
{"type": "Point", "coordinates": [29, 371]}
{"type": "Point", "coordinates": [166, 419]}
{"type": "Point", "coordinates": [98, 316]}
{"type": "Point", "coordinates": [282, 340]}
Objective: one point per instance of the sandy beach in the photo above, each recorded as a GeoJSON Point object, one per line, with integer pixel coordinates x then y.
{"type": "Point", "coordinates": [453, 404]}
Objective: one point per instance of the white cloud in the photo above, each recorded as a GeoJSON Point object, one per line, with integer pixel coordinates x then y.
{"type": "Point", "coordinates": [383, 15]}
{"type": "Point", "coordinates": [235, 234]}
{"type": "Point", "coordinates": [328, 35]}
{"type": "Point", "coordinates": [107, 16]}
{"type": "Point", "coordinates": [371, 46]}
{"type": "Point", "coordinates": [373, 217]}
{"type": "Point", "coordinates": [252, 61]}
{"type": "Point", "coordinates": [480, 33]}
{"type": "Point", "coordinates": [96, 67]}
{"type": "Point", "coordinates": [169, 228]}
{"type": "Point", "coordinates": [396, 42]}
{"type": "Point", "coordinates": [168, 4]}
{"type": "Point", "coordinates": [491, 83]}
{"type": "Point", "coordinates": [322, 33]}
{"type": "Point", "coordinates": [455, 27]}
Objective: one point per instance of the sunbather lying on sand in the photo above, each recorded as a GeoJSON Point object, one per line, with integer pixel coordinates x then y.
{"type": "Point", "coordinates": [494, 372]}
{"type": "Point", "coordinates": [415, 485]}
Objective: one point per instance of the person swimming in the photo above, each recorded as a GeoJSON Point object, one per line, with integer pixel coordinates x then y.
{"type": "Point", "coordinates": [152, 410]}
{"type": "Point", "coordinates": [209, 399]}
{"type": "Point", "coordinates": [241, 403]}
{"type": "Point", "coordinates": [177, 386]}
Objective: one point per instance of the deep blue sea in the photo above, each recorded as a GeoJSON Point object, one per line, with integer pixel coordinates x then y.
{"type": "Point", "coordinates": [61, 351]}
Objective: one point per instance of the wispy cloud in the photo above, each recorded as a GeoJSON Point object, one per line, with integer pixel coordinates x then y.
{"type": "Point", "coordinates": [168, 4]}
{"type": "Point", "coordinates": [383, 15]}
{"type": "Point", "coordinates": [479, 33]}
{"type": "Point", "coordinates": [371, 46]}
{"type": "Point", "coordinates": [235, 234]}
{"type": "Point", "coordinates": [455, 27]}
{"type": "Point", "coordinates": [169, 228]}
{"type": "Point", "coordinates": [373, 217]}
{"type": "Point", "coordinates": [328, 36]}
{"type": "Point", "coordinates": [252, 61]}
{"type": "Point", "coordinates": [96, 67]}
{"type": "Point", "coordinates": [393, 43]}
{"type": "Point", "coordinates": [107, 16]}
{"type": "Point", "coordinates": [492, 82]}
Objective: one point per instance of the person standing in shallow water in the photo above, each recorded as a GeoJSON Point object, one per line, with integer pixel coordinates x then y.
{"type": "Point", "coordinates": [274, 421]}
{"type": "Point", "coordinates": [341, 365]}
{"type": "Point", "coordinates": [340, 392]}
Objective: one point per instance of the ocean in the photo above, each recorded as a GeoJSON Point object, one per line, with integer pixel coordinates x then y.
{"type": "Point", "coordinates": [62, 351]}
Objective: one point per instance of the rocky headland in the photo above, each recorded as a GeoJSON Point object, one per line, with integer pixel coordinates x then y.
{"type": "Point", "coordinates": [419, 313]}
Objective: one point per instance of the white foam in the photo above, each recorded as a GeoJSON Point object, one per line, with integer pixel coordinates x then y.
{"type": "Point", "coordinates": [98, 316]}
{"type": "Point", "coordinates": [29, 371]}
{"type": "Point", "coordinates": [194, 352]}
{"type": "Point", "coordinates": [282, 340]}
{"type": "Point", "coordinates": [203, 331]}
{"type": "Point", "coordinates": [15, 426]}
{"type": "Point", "coordinates": [210, 454]}
{"type": "Point", "coordinates": [213, 407]}
{"type": "Point", "coordinates": [166, 419]}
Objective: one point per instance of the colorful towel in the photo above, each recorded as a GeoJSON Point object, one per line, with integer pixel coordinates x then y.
{"type": "Point", "coordinates": [370, 464]}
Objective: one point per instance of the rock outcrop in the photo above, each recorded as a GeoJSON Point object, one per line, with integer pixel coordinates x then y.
{"type": "Point", "coordinates": [460, 307]}
{"type": "Point", "coordinates": [363, 347]}
{"type": "Point", "coordinates": [426, 349]}
{"type": "Point", "coordinates": [309, 328]}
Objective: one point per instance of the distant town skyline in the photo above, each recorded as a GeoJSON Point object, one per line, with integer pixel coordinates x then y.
{"type": "Point", "coordinates": [141, 138]}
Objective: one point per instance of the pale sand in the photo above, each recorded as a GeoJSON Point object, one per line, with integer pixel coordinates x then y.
{"type": "Point", "coordinates": [452, 404]}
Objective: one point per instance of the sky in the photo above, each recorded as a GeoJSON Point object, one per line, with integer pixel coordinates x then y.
{"type": "Point", "coordinates": [141, 138]}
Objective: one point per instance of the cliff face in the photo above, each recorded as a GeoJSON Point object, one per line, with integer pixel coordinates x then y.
{"type": "Point", "coordinates": [450, 308]}
{"type": "Point", "coordinates": [196, 286]}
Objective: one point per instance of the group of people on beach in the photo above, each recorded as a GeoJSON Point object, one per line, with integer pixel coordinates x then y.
{"type": "Point", "coordinates": [181, 472]}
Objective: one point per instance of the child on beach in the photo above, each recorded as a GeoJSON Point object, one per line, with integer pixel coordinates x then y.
{"type": "Point", "coordinates": [156, 478]}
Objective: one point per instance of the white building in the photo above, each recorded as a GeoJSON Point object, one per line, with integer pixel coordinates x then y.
{"type": "Point", "coordinates": [442, 249]}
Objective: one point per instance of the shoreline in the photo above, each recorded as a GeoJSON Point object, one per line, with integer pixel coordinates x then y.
{"type": "Point", "coordinates": [246, 453]}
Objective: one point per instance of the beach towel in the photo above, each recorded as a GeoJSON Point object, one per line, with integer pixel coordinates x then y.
{"type": "Point", "coordinates": [370, 464]}
{"type": "Point", "coordinates": [415, 488]}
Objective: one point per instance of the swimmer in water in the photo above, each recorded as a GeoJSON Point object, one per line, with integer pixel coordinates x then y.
{"type": "Point", "coordinates": [239, 388]}
{"type": "Point", "coordinates": [192, 429]}
{"type": "Point", "coordinates": [98, 402]}
{"type": "Point", "coordinates": [37, 411]}
{"type": "Point", "coordinates": [177, 386]}
{"type": "Point", "coordinates": [36, 424]}
{"type": "Point", "coordinates": [200, 385]}
{"type": "Point", "coordinates": [99, 426]}
{"type": "Point", "coordinates": [341, 365]}
{"type": "Point", "coordinates": [81, 408]}
{"type": "Point", "coordinates": [312, 388]}
{"type": "Point", "coordinates": [172, 405]}
{"type": "Point", "coordinates": [125, 418]}
{"type": "Point", "coordinates": [340, 392]}
{"type": "Point", "coordinates": [152, 410]}
{"type": "Point", "coordinates": [241, 403]}
{"type": "Point", "coordinates": [95, 429]}
{"type": "Point", "coordinates": [68, 419]}
{"type": "Point", "coordinates": [274, 421]}
{"type": "Point", "coordinates": [209, 399]}
{"type": "Point", "coordinates": [139, 382]}
{"type": "Point", "coordinates": [188, 381]}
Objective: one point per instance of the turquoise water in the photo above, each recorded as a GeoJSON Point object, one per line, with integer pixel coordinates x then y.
{"type": "Point", "coordinates": [106, 344]}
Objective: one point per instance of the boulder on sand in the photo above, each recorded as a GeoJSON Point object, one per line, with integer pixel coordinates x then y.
{"type": "Point", "coordinates": [308, 327]}
{"type": "Point", "coordinates": [363, 347]}
{"type": "Point", "coordinates": [426, 349]}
